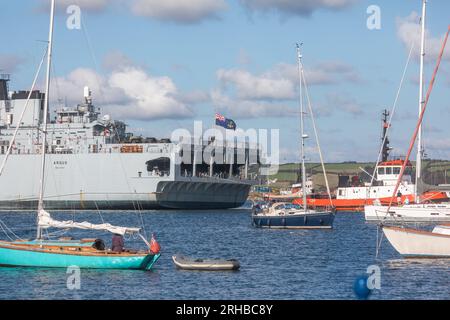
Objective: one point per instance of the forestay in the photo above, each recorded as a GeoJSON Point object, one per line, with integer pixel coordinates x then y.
{"type": "Point", "coordinates": [46, 221]}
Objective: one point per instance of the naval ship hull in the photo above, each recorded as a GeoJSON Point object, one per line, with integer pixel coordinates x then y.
{"type": "Point", "coordinates": [111, 182]}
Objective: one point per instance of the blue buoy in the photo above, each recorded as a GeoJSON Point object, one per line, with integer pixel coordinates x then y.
{"type": "Point", "coordinates": [360, 287]}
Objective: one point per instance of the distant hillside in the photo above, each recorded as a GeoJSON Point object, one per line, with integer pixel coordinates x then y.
{"type": "Point", "coordinates": [434, 172]}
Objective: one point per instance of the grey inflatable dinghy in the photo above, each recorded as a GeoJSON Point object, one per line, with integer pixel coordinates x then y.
{"type": "Point", "coordinates": [187, 263]}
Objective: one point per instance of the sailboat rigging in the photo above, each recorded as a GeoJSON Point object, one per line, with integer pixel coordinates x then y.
{"type": "Point", "coordinates": [420, 211]}
{"type": "Point", "coordinates": [421, 103]}
{"type": "Point", "coordinates": [412, 242]}
{"type": "Point", "coordinates": [84, 253]}
{"type": "Point", "coordinates": [44, 128]}
{"type": "Point", "coordinates": [287, 215]}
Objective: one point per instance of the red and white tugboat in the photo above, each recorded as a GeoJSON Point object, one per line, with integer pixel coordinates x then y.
{"type": "Point", "coordinates": [351, 195]}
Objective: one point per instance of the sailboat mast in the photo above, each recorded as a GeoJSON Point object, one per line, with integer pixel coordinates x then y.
{"type": "Point", "coordinates": [303, 136]}
{"type": "Point", "coordinates": [421, 102]}
{"type": "Point", "coordinates": [46, 104]}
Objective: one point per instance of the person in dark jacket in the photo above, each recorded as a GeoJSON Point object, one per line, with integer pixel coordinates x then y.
{"type": "Point", "coordinates": [399, 198]}
{"type": "Point", "coordinates": [117, 243]}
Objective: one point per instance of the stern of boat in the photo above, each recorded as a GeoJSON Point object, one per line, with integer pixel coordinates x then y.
{"type": "Point", "coordinates": [149, 261]}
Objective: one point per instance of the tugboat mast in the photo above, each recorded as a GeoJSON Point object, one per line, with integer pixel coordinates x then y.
{"type": "Point", "coordinates": [384, 138]}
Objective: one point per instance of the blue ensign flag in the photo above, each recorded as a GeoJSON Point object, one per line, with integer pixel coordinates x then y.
{"type": "Point", "coordinates": [224, 122]}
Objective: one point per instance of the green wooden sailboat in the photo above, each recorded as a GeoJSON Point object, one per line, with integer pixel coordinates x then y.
{"type": "Point", "coordinates": [62, 253]}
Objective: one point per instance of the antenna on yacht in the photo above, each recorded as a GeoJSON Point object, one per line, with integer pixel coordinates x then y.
{"type": "Point", "coordinates": [46, 103]}
{"type": "Point", "coordinates": [420, 150]}
{"type": "Point", "coordinates": [303, 135]}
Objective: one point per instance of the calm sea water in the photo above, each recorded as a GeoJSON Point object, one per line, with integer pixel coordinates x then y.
{"type": "Point", "coordinates": [275, 264]}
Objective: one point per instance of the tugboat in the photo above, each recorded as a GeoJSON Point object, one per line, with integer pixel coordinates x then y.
{"type": "Point", "coordinates": [351, 195]}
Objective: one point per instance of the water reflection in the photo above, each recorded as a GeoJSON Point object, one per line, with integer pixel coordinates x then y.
{"type": "Point", "coordinates": [418, 263]}
{"type": "Point", "coordinates": [275, 264]}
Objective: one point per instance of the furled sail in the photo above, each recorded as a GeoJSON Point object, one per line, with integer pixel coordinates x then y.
{"type": "Point", "coordinates": [46, 221]}
{"type": "Point", "coordinates": [444, 229]}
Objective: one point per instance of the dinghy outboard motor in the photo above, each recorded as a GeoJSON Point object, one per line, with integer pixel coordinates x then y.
{"type": "Point", "coordinates": [99, 244]}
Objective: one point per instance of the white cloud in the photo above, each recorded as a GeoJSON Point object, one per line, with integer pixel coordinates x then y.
{"type": "Point", "coordinates": [126, 93]}
{"type": "Point", "coordinates": [296, 7]}
{"type": "Point", "coordinates": [409, 32]}
{"type": "Point", "coordinates": [346, 104]}
{"type": "Point", "coordinates": [194, 97]}
{"type": "Point", "coordinates": [242, 108]}
{"type": "Point", "coordinates": [281, 82]}
{"type": "Point", "coordinates": [179, 11]}
{"type": "Point", "coordinates": [9, 63]}
{"type": "Point", "coordinates": [245, 94]}
{"type": "Point", "coordinates": [152, 97]}
{"type": "Point", "coordinates": [116, 60]}
{"type": "Point", "coordinates": [341, 103]}
{"type": "Point", "coordinates": [85, 5]}
{"type": "Point", "coordinates": [249, 86]}
{"type": "Point", "coordinates": [328, 72]}
{"type": "Point", "coordinates": [70, 87]}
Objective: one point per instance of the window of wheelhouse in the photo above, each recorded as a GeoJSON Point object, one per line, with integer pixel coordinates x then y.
{"type": "Point", "coordinates": [408, 171]}
{"type": "Point", "coordinates": [388, 170]}
{"type": "Point", "coordinates": [159, 167]}
{"type": "Point", "coordinates": [396, 170]}
{"type": "Point", "coordinates": [381, 170]}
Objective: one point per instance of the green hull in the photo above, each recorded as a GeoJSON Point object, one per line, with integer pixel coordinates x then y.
{"type": "Point", "coordinates": [19, 257]}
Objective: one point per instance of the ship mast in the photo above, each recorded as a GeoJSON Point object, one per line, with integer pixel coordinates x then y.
{"type": "Point", "coordinates": [421, 102]}
{"type": "Point", "coordinates": [46, 104]}
{"type": "Point", "coordinates": [303, 135]}
{"type": "Point", "coordinates": [384, 138]}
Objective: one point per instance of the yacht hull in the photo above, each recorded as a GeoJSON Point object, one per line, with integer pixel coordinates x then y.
{"type": "Point", "coordinates": [22, 256]}
{"type": "Point", "coordinates": [412, 243]}
{"type": "Point", "coordinates": [319, 220]}
{"type": "Point", "coordinates": [409, 213]}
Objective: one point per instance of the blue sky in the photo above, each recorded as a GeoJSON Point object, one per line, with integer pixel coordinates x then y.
{"type": "Point", "coordinates": [163, 64]}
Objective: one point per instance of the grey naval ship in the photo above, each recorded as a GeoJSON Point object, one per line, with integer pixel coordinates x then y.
{"type": "Point", "coordinates": [93, 163]}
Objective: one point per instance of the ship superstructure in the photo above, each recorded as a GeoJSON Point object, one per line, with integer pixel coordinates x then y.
{"type": "Point", "coordinates": [94, 163]}
{"type": "Point", "coordinates": [385, 177]}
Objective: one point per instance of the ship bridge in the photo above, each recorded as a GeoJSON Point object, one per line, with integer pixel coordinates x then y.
{"type": "Point", "coordinates": [389, 171]}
